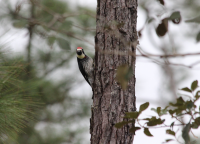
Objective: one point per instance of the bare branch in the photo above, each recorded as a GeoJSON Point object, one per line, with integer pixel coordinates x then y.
{"type": "Point", "coordinates": [170, 55]}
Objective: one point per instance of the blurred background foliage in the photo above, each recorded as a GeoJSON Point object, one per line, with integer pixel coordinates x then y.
{"type": "Point", "coordinates": [36, 106]}
{"type": "Point", "coordinates": [169, 28]}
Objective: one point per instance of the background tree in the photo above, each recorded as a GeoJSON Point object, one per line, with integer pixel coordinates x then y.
{"type": "Point", "coordinates": [17, 105]}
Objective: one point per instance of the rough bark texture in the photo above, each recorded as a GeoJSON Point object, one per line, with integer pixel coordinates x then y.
{"type": "Point", "coordinates": [116, 30]}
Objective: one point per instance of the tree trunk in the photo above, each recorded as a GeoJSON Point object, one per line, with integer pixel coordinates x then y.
{"type": "Point", "coordinates": [28, 49]}
{"type": "Point", "coordinates": [115, 32]}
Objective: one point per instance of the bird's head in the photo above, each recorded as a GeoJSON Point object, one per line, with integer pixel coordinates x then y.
{"type": "Point", "coordinates": [80, 53]}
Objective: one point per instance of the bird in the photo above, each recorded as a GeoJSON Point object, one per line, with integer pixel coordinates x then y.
{"type": "Point", "coordinates": [86, 65]}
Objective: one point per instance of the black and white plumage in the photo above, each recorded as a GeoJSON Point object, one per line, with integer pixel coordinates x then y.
{"type": "Point", "coordinates": [85, 64]}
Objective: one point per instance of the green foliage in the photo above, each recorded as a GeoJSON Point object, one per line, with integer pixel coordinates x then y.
{"type": "Point", "coordinates": [124, 72]}
{"type": "Point", "coordinates": [160, 111]}
{"type": "Point", "coordinates": [121, 124]}
{"type": "Point", "coordinates": [46, 9]}
{"type": "Point", "coordinates": [194, 85]}
{"type": "Point", "coordinates": [20, 23]}
{"type": "Point", "coordinates": [133, 115]}
{"type": "Point", "coordinates": [185, 133]}
{"type": "Point", "coordinates": [168, 140]}
{"type": "Point", "coordinates": [21, 99]}
{"type": "Point", "coordinates": [144, 107]}
{"type": "Point", "coordinates": [17, 104]}
{"type": "Point", "coordinates": [171, 132]}
{"type": "Point", "coordinates": [198, 37]}
{"type": "Point", "coordinates": [57, 30]}
{"type": "Point", "coordinates": [147, 132]}
{"type": "Point", "coordinates": [186, 89]}
{"type": "Point", "coordinates": [55, 6]}
{"type": "Point", "coordinates": [64, 44]}
{"type": "Point", "coordinates": [162, 28]}
{"type": "Point", "coordinates": [134, 129]}
{"type": "Point", "coordinates": [175, 17]}
{"type": "Point", "coordinates": [181, 108]}
{"type": "Point", "coordinates": [162, 2]}
{"type": "Point", "coordinates": [153, 121]}
{"type": "Point", "coordinates": [85, 19]}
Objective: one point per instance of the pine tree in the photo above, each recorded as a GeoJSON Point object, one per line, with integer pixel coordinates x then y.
{"type": "Point", "coordinates": [53, 30]}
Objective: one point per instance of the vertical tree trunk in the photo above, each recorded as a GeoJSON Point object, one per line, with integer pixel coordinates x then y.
{"type": "Point", "coordinates": [116, 31]}
{"type": "Point", "coordinates": [28, 48]}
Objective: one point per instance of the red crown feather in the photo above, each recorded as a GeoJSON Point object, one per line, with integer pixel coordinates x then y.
{"type": "Point", "coordinates": [79, 48]}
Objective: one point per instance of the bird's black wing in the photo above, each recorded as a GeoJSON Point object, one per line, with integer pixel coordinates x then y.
{"type": "Point", "coordinates": [82, 71]}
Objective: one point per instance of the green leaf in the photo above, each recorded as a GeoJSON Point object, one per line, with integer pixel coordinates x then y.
{"type": "Point", "coordinates": [154, 121]}
{"type": "Point", "coordinates": [179, 102]}
{"type": "Point", "coordinates": [194, 125]}
{"type": "Point", "coordinates": [158, 110]}
{"type": "Point", "coordinates": [197, 96]}
{"type": "Point", "coordinates": [64, 44]}
{"type": "Point", "coordinates": [185, 133]}
{"type": "Point", "coordinates": [143, 107]}
{"type": "Point", "coordinates": [175, 17]}
{"type": "Point", "coordinates": [121, 124]}
{"type": "Point", "coordinates": [147, 132]}
{"type": "Point", "coordinates": [129, 73]}
{"type": "Point", "coordinates": [197, 120]}
{"type": "Point", "coordinates": [162, 28]}
{"type": "Point", "coordinates": [168, 140]}
{"type": "Point", "coordinates": [134, 129]}
{"type": "Point", "coordinates": [153, 109]}
{"type": "Point", "coordinates": [51, 40]}
{"type": "Point", "coordinates": [19, 23]}
{"type": "Point", "coordinates": [59, 7]}
{"type": "Point", "coordinates": [168, 131]}
{"type": "Point", "coordinates": [194, 85]}
{"type": "Point", "coordinates": [123, 74]}
{"type": "Point", "coordinates": [186, 89]}
{"type": "Point", "coordinates": [66, 25]}
{"type": "Point", "coordinates": [133, 115]}
{"type": "Point", "coordinates": [146, 119]}
{"type": "Point", "coordinates": [171, 112]}
{"type": "Point", "coordinates": [189, 104]}
{"type": "Point", "coordinates": [163, 112]}
{"type": "Point", "coordinates": [162, 2]}
{"type": "Point", "coordinates": [198, 37]}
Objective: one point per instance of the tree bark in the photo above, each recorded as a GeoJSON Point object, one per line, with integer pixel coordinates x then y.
{"type": "Point", "coordinates": [115, 31]}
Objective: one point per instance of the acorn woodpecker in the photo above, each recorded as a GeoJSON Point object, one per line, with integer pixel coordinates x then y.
{"type": "Point", "coordinates": [85, 64]}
